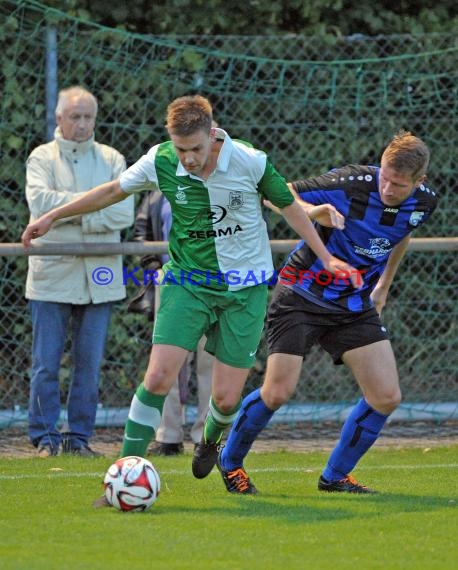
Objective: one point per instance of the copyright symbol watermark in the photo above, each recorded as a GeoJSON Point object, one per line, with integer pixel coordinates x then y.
{"type": "Point", "coordinates": [102, 275]}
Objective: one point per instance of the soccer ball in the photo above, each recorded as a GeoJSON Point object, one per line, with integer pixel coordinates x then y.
{"type": "Point", "coordinates": [132, 484]}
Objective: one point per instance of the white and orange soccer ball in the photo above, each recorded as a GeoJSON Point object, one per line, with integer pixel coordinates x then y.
{"type": "Point", "coordinates": [132, 484]}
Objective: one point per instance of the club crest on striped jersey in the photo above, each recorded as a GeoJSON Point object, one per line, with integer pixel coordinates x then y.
{"type": "Point", "coordinates": [415, 218]}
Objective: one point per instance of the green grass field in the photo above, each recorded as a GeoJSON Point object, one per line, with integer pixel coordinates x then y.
{"type": "Point", "coordinates": [47, 521]}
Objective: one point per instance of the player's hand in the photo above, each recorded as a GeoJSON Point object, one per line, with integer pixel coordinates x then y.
{"type": "Point", "coordinates": [343, 272]}
{"type": "Point", "coordinates": [327, 215]}
{"type": "Point", "coordinates": [379, 296]}
{"type": "Point", "coordinates": [36, 229]}
{"type": "Point", "coordinates": [268, 204]}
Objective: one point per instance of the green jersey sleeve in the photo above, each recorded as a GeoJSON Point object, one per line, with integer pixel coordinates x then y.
{"type": "Point", "coordinates": [273, 187]}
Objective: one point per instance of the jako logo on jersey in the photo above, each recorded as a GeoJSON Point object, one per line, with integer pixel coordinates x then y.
{"type": "Point", "coordinates": [415, 218]}
{"type": "Point", "coordinates": [377, 248]}
{"type": "Point", "coordinates": [220, 232]}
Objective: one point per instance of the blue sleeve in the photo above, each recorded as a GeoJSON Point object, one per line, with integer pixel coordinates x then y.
{"type": "Point", "coordinates": [324, 189]}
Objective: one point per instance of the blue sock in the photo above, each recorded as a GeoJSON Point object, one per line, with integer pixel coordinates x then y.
{"type": "Point", "coordinates": [252, 418]}
{"type": "Point", "coordinates": [360, 430]}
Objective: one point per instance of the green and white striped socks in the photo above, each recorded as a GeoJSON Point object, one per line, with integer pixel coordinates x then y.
{"type": "Point", "coordinates": [216, 422]}
{"type": "Point", "coordinates": [142, 423]}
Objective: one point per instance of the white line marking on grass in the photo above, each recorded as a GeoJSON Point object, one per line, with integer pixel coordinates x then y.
{"type": "Point", "coordinates": [70, 474]}
{"type": "Point", "coordinates": [366, 468]}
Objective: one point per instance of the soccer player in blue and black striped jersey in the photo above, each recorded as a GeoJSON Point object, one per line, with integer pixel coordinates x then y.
{"type": "Point", "coordinates": [365, 216]}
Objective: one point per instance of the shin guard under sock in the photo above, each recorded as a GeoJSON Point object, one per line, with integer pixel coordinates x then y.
{"type": "Point", "coordinates": [252, 418]}
{"type": "Point", "coordinates": [217, 422]}
{"type": "Point", "coordinates": [142, 423]}
{"type": "Point", "coordinates": [359, 432]}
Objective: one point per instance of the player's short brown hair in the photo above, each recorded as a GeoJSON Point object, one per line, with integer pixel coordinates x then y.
{"type": "Point", "coordinates": [407, 154]}
{"type": "Point", "coordinates": [189, 114]}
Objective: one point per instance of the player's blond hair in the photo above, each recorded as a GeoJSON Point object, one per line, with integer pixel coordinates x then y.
{"type": "Point", "coordinates": [189, 114]}
{"type": "Point", "coordinates": [75, 91]}
{"type": "Point", "coordinates": [407, 154]}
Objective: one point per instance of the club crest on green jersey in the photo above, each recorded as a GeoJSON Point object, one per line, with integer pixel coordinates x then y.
{"type": "Point", "coordinates": [180, 196]}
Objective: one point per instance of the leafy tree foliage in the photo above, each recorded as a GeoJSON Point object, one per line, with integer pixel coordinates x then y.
{"type": "Point", "coordinates": [256, 17]}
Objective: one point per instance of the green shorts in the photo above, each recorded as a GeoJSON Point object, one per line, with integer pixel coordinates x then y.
{"type": "Point", "coordinates": [232, 320]}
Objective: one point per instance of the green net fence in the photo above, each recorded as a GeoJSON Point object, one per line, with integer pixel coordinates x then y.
{"type": "Point", "coordinates": [312, 105]}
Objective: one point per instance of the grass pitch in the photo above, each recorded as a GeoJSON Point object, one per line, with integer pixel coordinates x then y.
{"type": "Point", "coordinates": [47, 521]}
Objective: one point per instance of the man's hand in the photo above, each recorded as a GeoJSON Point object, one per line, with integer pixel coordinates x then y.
{"type": "Point", "coordinates": [326, 215]}
{"type": "Point", "coordinates": [268, 204]}
{"type": "Point", "coordinates": [36, 229]}
{"type": "Point", "coordinates": [343, 271]}
{"type": "Point", "coordinates": [379, 296]}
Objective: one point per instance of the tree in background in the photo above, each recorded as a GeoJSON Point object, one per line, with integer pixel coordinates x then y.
{"type": "Point", "coordinates": [252, 17]}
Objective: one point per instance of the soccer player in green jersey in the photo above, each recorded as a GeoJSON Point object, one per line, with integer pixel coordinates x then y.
{"type": "Point", "coordinates": [220, 262]}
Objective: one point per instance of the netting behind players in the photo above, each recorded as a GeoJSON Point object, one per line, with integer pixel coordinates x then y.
{"type": "Point", "coordinates": [311, 105]}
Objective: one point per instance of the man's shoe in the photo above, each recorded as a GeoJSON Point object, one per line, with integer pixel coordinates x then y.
{"type": "Point", "coordinates": [346, 485]}
{"type": "Point", "coordinates": [204, 458]}
{"type": "Point", "coordinates": [83, 451]}
{"type": "Point", "coordinates": [167, 449]}
{"type": "Point", "coordinates": [101, 502]}
{"type": "Point", "coordinates": [47, 450]}
{"type": "Point", "coordinates": [236, 481]}
{"type": "Point", "coordinates": [86, 451]}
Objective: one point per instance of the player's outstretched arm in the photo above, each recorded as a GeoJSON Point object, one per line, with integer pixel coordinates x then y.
{"type": "Point", "coordinates": [96, 199]}
{"type": "Point", "coordinates": [300, 222]}
{"type": "Point", "coordinates": [380, 293]}
{"type": "Point", "coordinates": [325, 214]}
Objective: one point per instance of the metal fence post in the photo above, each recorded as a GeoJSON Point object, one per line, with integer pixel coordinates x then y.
{"type": "Point", "coordinates": [51, 80]}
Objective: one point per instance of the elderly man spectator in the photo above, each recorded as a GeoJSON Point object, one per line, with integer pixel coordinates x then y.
{"type": "Point", "coordinates": [62, 290]}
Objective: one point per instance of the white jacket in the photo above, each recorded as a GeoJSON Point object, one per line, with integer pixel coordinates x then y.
{"type": "Point", "coordinates": [57, 173]}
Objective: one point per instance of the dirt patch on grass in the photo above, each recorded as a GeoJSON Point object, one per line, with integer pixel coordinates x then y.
{"type": "Point", "coordinates": [300, 436]}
